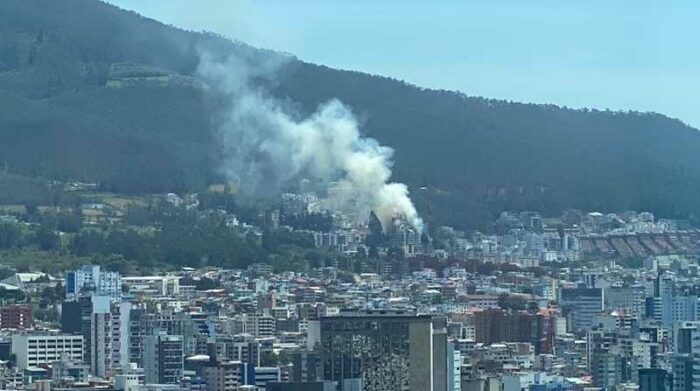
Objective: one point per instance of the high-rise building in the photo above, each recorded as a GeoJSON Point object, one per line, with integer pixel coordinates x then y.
{"type": "Point", "coordinates": [163, 360]}
{"type": "Point", "coordinates": [686, 357]}
{"type": "Point", "coordinates": [682, 369]}
{"type": "Point", "coordinates": [670, 308]}
{"type": "Point", "coordinates": [496, 325]}
{"type": "Point", "coordinates": [307, 367]}
{"type": "Point", "coordinates": [662, 306]}
{"type": "Point", "coordinates": [91, 280]}
{"type": "Point", "coordinates": [34, 349]}
{"type": "Point", "coordinates": [72, 317]}
{"type": "Point", "coordinates": [140, 325]}
{"type": "Point", "coordinates": [101, 343]}
{"type": "Point", "coordinates": [615, 354]}
{"type": "Point", "coordinates": [405, 238]}
{"type": "Point", "coordinates": [120, 333]}
{"type": "Point", "coordinates": [654, 379]}
{"type": "Point", "coordinates": [606, 369]}
{"type": "Point", "coordinates": [110, 338]}
{"type": "Point", "coordinates": [580, 304]}
{"type": "Point", "coordinates": [104, 325]}
{"type": "Point", "coordinates": [260, 325]}
{"type": "Point", "coordinates": [454, 367]}
{"type": "Point", "coordinates": [375, 348]}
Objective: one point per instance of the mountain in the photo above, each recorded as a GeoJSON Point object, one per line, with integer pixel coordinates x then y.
{"type": "Point", "coordinates": [95, 93]}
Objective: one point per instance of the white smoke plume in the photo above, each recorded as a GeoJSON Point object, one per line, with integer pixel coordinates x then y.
{"type": "Point", "coordinates": [266, 146]}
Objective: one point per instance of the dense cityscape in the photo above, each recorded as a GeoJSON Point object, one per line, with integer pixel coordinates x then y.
{"type": "Point", "coordinates": [586, 301]}
{"type": "Point", "coordinates": [241, 195]}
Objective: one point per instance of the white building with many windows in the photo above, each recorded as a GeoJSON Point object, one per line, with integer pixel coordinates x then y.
{"type": "Point", "coordinates": [34, 349]}
{"type": "Point", "coordinates": [90, 279]}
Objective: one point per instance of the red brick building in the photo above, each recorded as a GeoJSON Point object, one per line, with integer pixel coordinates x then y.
{"type": "Point", "coordinates": [15, 316]}
{"type": "Point", "coordinates": [496, 325]}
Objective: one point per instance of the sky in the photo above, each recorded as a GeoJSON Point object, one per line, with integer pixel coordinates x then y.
{"type": "Point", "coordinates": [609, 54]}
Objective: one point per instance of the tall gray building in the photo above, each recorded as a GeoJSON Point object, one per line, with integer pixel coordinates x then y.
{"type": "Point", "coordinates": [163, 360]}
{"type": "Point", "coordinates": [686, 357]}
{"type": "Point", "coordinates": [654, 379]}
{"type": "Point", "coordinates": [385, 350]}
{"type": "Point", "coordinates": [580, 304]}
{"type": "Point", "coordinates": [104, 325]}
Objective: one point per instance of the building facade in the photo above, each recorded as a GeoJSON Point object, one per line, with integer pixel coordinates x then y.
{"type": "Point", "coordinates": [15, 316]}
{"type": "Point", "coordinates": [92, 280]}
{"type": "Point", "coordinates": [375, 348]}
{"type": "Point", "coordinates": [34, 349]}
{"type": "Point", "coordinates": [163, 358]}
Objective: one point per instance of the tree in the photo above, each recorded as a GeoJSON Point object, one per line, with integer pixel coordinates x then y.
{"type": "Point", "coordinates": [533, 307]}
{"type": "Point", "coordinates": [69, 222]}
{"type": "Point", "coordinates": [375, 235]}
{"type": "Point", "coordinates": [47, 239]}
{"type": "Point", "coordinates": [512, 302]}
{"type": "Point", "coordinates": [11, 361]}
{"type": "Point", "coordinates": [10, 236]}
{"type": "Point", "coordinates": [269, 240]}
{"type": "Point", "coordinates": [13, 295]}
{"type": "Point", "coordinates": [284, 357]}
{"type": "Point", "coordinates": [269, 359]}
{"type": "Point", "coordinates": [60, 291]}
{"type": "Point", "coordinates": [31, 208]}
{"type": "Point", "coordinates": [48, 295]}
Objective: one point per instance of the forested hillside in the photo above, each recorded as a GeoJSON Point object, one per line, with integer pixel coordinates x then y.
{"type": "Point", "coordinates": [91, 92]}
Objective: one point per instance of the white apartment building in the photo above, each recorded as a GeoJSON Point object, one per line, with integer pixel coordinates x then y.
{"type": "Point", "coordinates": [90, 278]}
{"type": "Point", "coordinates": [33, 349]}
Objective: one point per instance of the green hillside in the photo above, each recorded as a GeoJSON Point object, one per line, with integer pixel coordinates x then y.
{"type": "Point", "coordinates": [91, 92]}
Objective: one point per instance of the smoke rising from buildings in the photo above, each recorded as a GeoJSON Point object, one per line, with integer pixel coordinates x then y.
{"type": "Point", "coordinates": [266, 146]}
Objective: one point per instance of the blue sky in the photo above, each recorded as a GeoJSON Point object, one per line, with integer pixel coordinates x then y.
{"type": "Point", "coordinates": [618, 54]}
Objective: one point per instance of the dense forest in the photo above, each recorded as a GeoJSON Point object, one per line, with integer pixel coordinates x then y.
{"type": "Point", "coordinates": [93, 93]}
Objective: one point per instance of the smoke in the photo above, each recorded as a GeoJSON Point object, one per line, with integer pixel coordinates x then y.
{"type": "Point", "coordinates": [266, 146]}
